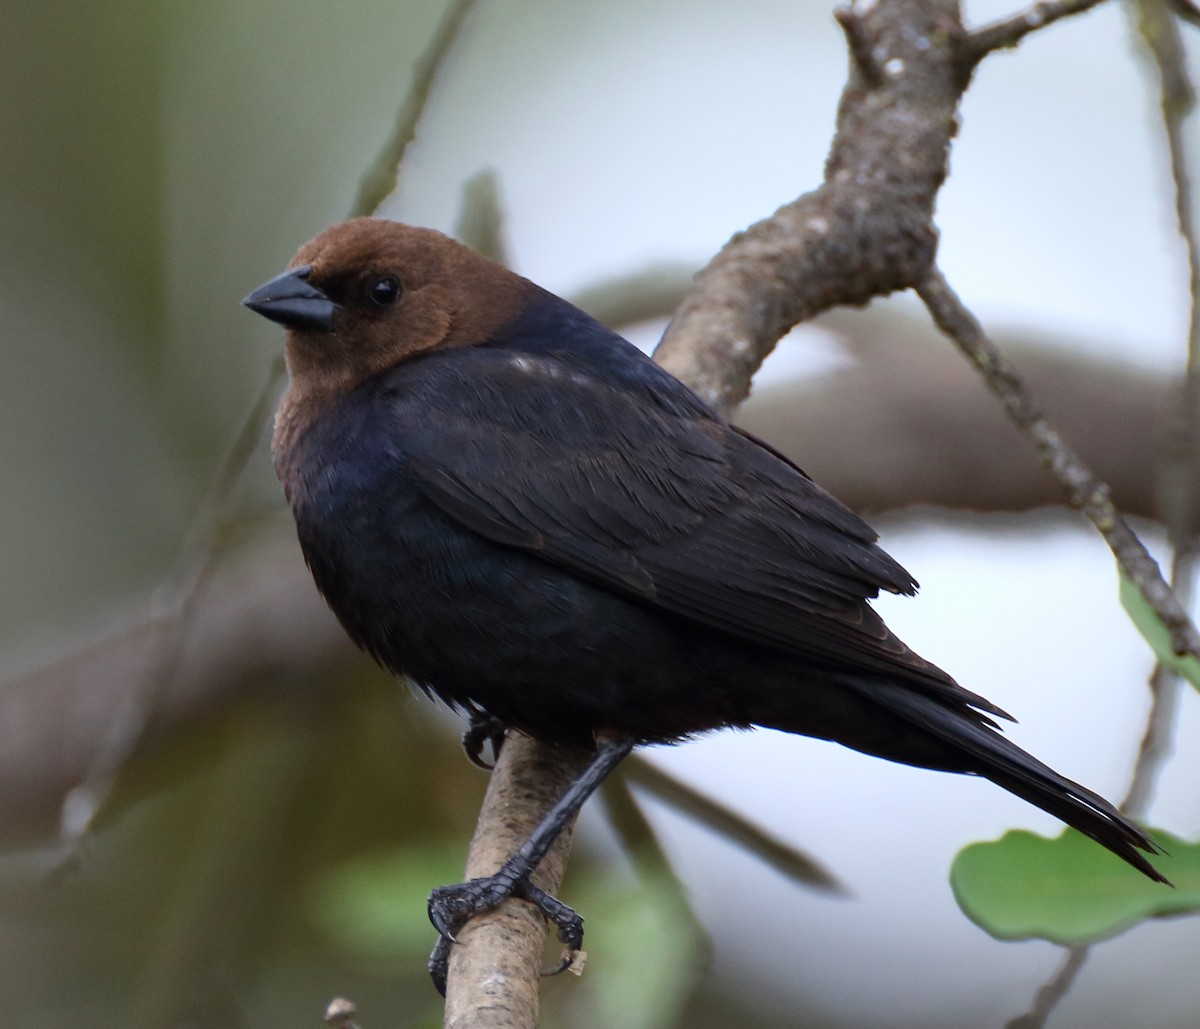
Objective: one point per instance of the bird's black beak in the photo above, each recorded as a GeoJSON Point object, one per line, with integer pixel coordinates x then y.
{"type": "Point", "coordinates": [292, 301]}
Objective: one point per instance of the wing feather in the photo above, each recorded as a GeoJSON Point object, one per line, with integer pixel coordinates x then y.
{"type": "Point", "coordinates": [669, 506]}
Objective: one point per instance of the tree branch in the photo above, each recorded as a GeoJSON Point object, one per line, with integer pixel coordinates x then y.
{"type": "Point", "coordinates": [380, 179]}
{"type": "Point", "coordinates": [866, 231]}
{"type": "Point", "coordinates": [1179, 461]}
{"type": "Point", "coordinates": [495, 967]}
{"type": "Point", "coordinates": [1084, 490]}
{"type": "Point", "coordinates": [1054, 991]}
{"type": "Point", "coordinates": [773, 852]}
{"type": "Point", "coordinates": [1008, 32]}
{"type": "Point", "coordinates": [174, 605]}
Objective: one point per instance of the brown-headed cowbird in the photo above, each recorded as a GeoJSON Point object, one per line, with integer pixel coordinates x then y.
{"type": "Point", "coordinates": [512, 506]}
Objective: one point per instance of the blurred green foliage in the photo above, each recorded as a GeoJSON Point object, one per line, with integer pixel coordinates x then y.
{"type": "Point", "coordinates": [159, 161]}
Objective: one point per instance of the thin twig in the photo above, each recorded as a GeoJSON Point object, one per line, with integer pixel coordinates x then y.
{"type": "Point", "coordinates": [1008, 32]}
{"type": "Point", "coordinates": [480, 218]}
{"type": "Point", "coordinates": [1158, 30]}
{"type": "Point", "coordinates": [380, 179]}
{"type": "Point", "coordinates": [1180, 464]}
{"type": "Point", "coordinates": [1156, 746]}
{"type": "Point", "coordinates": [171, 610]}
{"type": "Point", "coordinates": [176, 599]}
{"type": "Point", "coordinates": [1187, 10]}
{"type": "Point", "coordinates": [1083, 489]}
{"type": "Point", "coordinates": [1054, 991]}
{"type": "Point", "coordinates": [783, 857]}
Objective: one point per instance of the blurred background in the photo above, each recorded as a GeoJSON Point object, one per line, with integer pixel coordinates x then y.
{"type": "Point", "coordinates": [265, 812]}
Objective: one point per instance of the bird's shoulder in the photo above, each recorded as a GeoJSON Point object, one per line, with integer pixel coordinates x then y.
{"type": "Point", "coordinates": [561, 435]}
{"type": "Point", "coordinates": [549, 360]}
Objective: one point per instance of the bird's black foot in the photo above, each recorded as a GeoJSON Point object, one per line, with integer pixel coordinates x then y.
{"type": "Point", "coordinates": [483, 729]}
{"type": "Point", "coordinates": [451, 906]}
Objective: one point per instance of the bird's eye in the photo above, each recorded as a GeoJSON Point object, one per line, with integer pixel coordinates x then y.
{"type": "Point", "coordinates": [384, 292]}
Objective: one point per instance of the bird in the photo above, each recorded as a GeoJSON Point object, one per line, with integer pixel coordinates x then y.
{"type": "Point", "coordinates": [512, 507]}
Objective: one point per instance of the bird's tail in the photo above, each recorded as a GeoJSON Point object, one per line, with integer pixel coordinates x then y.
{"type": "Point", "coordinates": [984, 751]}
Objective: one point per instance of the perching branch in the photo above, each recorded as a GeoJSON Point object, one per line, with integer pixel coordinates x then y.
{"type": "Point", "coordinates": [495, 967]}
{"type": "Point", "coordinates": [866, 231]}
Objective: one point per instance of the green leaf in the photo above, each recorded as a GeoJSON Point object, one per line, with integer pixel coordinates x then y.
{"type": "Point", "coordinates": [1156, 634]}
{"type": "Point", "coordinates": [376, 906]}
{"type": "Point", "coordinates": [1068, 890]}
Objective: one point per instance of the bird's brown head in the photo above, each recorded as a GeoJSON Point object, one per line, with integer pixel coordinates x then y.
{"type": "Point", "coordinates": [367, 294]}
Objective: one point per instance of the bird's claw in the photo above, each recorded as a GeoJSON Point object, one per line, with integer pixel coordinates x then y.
{"type": "Point", "coordinates": [439, 963]}
{"type": "Point", "coordinates": [565, 919]}
{"type": "Point", "coordinates": [483, 729]}
{"type": "Point", "coordinates": [451, 906]}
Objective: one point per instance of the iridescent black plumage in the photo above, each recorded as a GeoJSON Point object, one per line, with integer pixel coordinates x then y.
{"type": "Point", "coordinates": [513, 506]}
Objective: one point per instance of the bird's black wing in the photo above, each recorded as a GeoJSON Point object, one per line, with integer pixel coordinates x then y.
{"type": "Point", "coordinates": [635, 485]}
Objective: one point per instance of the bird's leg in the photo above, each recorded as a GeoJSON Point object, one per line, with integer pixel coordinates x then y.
{"type": "Point", "coordinates": [482, 729]}
{"type": "Point", "coordinates": [451, 906]}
